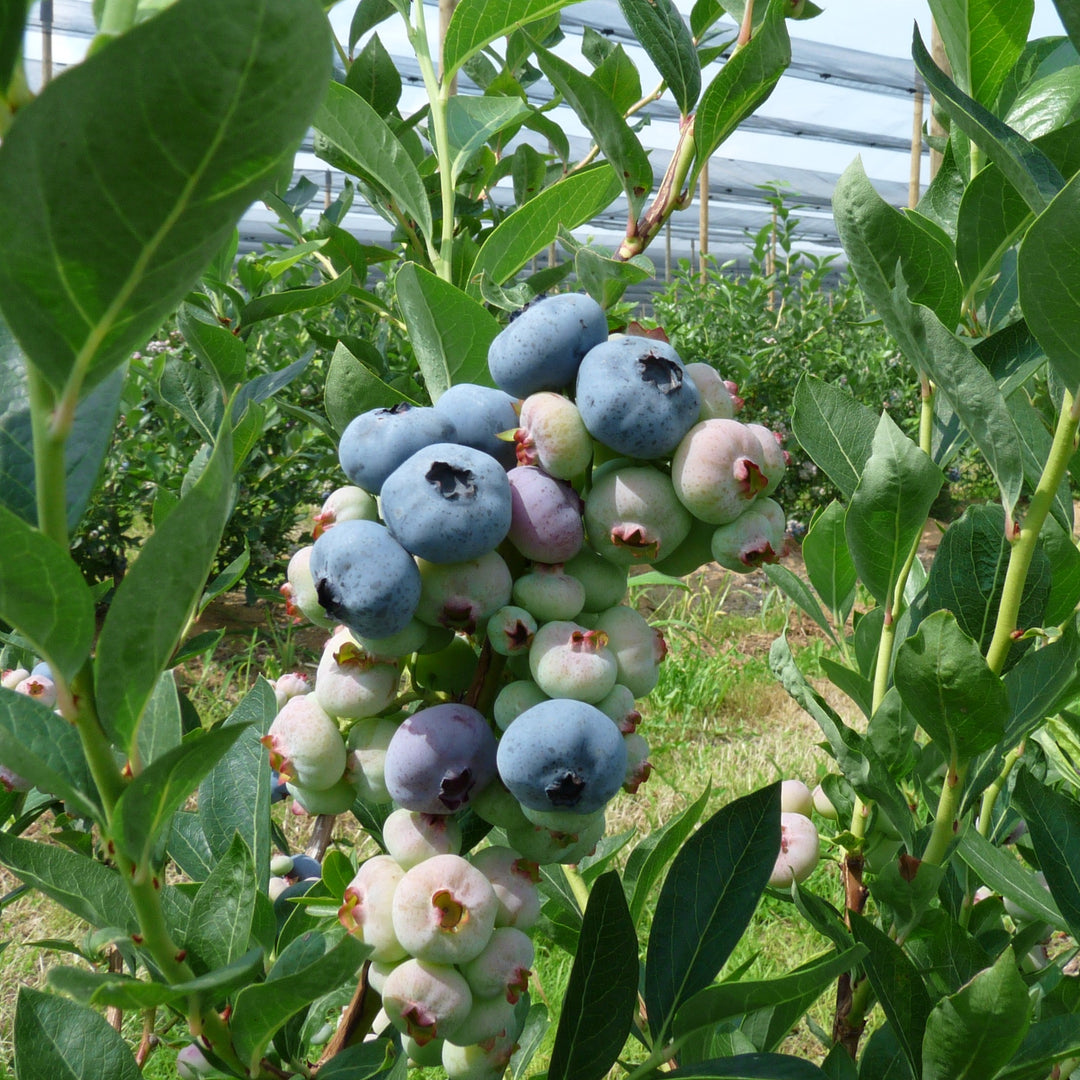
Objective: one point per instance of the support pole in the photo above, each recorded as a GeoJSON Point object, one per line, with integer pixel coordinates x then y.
{"type": "Point", "coordinates": [916, 147]}
{"type": "Point", "coordinates": [446, 9]}
{"type": "Point", "coordinates": [46, 41]}
{"type": "Point", "coordinates": [937, 49]}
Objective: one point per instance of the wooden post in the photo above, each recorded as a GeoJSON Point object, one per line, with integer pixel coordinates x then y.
{"type": "Point", "coordinates": [327, 192]}
{"type": "Point", "coordinates": [46, 41]}
{"type": "Point", "coordinates": [703, 221]}
{"type": "Point", "coordinates": [446, 9]}
{"type": "Point", "coordinates": [916, 146]}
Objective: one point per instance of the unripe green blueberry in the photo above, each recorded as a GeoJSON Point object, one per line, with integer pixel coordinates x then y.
{"type": "Point", "coordinates": [549, 593]}
{"type": "Point", "coordinates": [638, 766]}
{"type": "Point", "coordinates": [619, 705]}
{"type": "Point", "coordinates": [449, 671]}
{"type": "Point", "coordinates": [605, 582]}
{"type": "Point", "coordinates": [366, 761]}
{"type": "Point", "coordinates": [510, 630]}
{"type": "Point", "coordinates": [336, 799]}
{"type": "Point", "coordinates": [405, 642]}
{"type": "Point", "coordinates": [799, 851]}
{"type": "Point", "coordinates": [503, 968]}
{"type": "Point", "coordinates": [514, 880]}
{"type": "Point", "coordinates": [774, 458]}
{"type": "Point", "coordinates": [479, 1061]}
{"type": "Point", "coordinates": [795, 798]}
{"type": "Point", "coordinates": [717, 400]}
{"type": "Point", "coordinates": [426, 1001]}
{"type": "Point", "coordinates": [568, 661]}
{"type": "Point", "coordinates": [367, 908]}
{"type": "Point", "coordinates": [464, 595]}
{"type": "Point", "coordinates": [305, 745]}
{"type": "Point", "coordinates": [562, 821]}
{"type": "Point", "coordinates": [444, 910]}
{"type": "Point", "coordinates": [758, 536]}
{"type": "Point", "coordinates": [378, 970]}
{"type": "Point", "coordinates": [543, 846]}
{"type": "Point", "coordinates": [514, 698]}
{"type": "Point", "coordinates": [424, 1057]}
{"type": "Point", "coordinates": [638, 648]}
{"type": "Point", "coordinates": [301, 596]}
{"type": "Point", "coordinates": [411, 837]}
{"type": "Point", "coordinates": [281, 864]}
{"type": "Point", "coordinates": [346, 503]}
{"type": "Point", "coordinates": [495, 805]}
{"type": "Point", "coordinates": [822, 804]}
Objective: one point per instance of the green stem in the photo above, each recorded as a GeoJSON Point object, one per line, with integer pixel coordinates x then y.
{"type": "Point", "coordinates": [577, 886]}
{"type": "Point", "coordinates": [990, 795]}
{"type": "Point", "coordinates": [1023, 549]}
{"type": "Point", "coordinates": [945, 819]}
{"type": "Point", "coordinates": [438, 95]}
{"type": "Point", "coordinates": [50, 477]}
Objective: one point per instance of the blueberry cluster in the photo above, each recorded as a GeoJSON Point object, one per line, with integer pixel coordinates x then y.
{"type": "Point", "coordinates": [473, 575]}
{"type": "Point", "coordinates": [36, 683]}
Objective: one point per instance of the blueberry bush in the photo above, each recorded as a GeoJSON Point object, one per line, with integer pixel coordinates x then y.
{"type": "Point", "coordinates": [474, 707]}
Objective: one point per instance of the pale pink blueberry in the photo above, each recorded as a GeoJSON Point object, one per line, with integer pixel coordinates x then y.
{"type": "Point", "coordinates": [718, 399]}
{"type": "Point", "coordinates": [717, 470]}
{"type": "Point", "coordinates": [758, 536]}
{"type": "Point", "coordinates": [774, 458]}
{"type": "Point", "coordinates": [290, 685]}
{"type": "Point", "coordinates": [301, 597]}
{"type": "Point", "coordinates": [305, 745]}
{"type": "Point", "coordinates": [553, 436]}
{"type": "Point", "coordinates": [638, 648]}
{"type": "Point", "coordinates": [367, 908]}
{"type": "Point", "coordinates": [480, 1061]}
{"type": "Point", "coordinates": [11, 677]}
{"type": "Point", "coordinates": [444, 910]}
{"type": "Point", "coordinates": [568, 661]}
{"type": "Point", "coordinates": [823, 805]}
{"type": "Point", "coordinates": [799, 851]}
{"type": "Point", "coordinates": [514, 880]}
{"type": "Point", "coordinates": [336, 799]}
{"type": "Point", "coordinates": [426, 1001]}
{"type": "Point", "coordinates": [411, 837]}
{"type": "Point", "coordinates": [366, 761]}
{"type": "Point", "coordinates": [619, 705]}
{"type": "Point", "coordinates": [503, 968]}
{"type": "Point", "coordinates": [638, 766]}
{"type": "Point", "coordinates": [351, 683]}
{"type": "Point", "coordinates": [39, 687]}
{"type": "Point", "coordinates": [348, 503]}
{"type": "Point", "coordinates": [488, 1018]}
{"type": "Point", "coordinates": [796, 798]}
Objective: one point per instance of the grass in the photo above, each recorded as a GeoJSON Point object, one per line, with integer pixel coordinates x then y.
{"type": "Point", "coordinates": [717, 718]}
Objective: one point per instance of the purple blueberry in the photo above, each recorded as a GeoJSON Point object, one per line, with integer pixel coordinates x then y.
{"type": "Point", "coordinates": [635, 396]}
{"type": "Point", "coordinates": [562, 755]}
{"type": "Point", "coordinates": [543, 346]}
{"type": "Point", "coordinates": [447, 503]}
{"type": "Point", "coordinates": [376, 442]}
{"type": "Point", "coordinates": [365, 578]}
{"type": "Point", "coordinates": [546, 523]}
{"type": "Point", "coordinates": [439, 757]}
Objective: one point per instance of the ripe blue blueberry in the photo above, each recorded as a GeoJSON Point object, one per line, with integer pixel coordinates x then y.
{"type": "Point", "coordinates": [376, 442]}
{"type": "Point", "coordinates": [562, 755]}
{"type": "Point", "coordinates": [365, 578]}
{"type": "Point", "coordinates": [635, 396]}
{"type": "Point", "coordinates": [479, 415]}
{"type": "Point", "coordinates": [447, 503]}
{"type": "Point", "coordinates": [543, 346]}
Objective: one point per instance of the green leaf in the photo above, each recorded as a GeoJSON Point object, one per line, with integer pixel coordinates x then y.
{"type": "Point", "coordinates": [888, 508]}
{"type": "Point", "coordinates": [472, 121]}
{"type": "Point", "coordinates": [56, 1039]}
{"type": "Point", "coordinates": [229, 915]}
{"type": "Point", "coordinates": [1029, 170]}
{"type": "Point", "coordinates": [449, 331]}
{"type": "Point", "coordinates": [601, 996]}
{"type": "Point", "coordinates": [1054, 823]}
{"type": "Point", "coordinates": [828, 562]}
{"type": "Point", "coordinates": [73, 172]}
{"type": "Point", "coordinates": [46, 750]}
{"type": "Point", "coordinates": [976, 1031]}
{"type": "Point", "coordinates": [1069, 13]}
{"type": "Point", "coordinates": [786, 997]}
{"type": "Point", "coordinates": [352, 387]}
{"type": "Point", "coordinates": [1049, 270]}
{"type": "Point", "coordinates": [13, 16]}
{"type": "Point", "coordinates": [351, 135]}
{"type": "Point", "coordinates": [707, 900]}
{"type": "Point", "coordinates": [877, 237]}
{"type": "Point", "coordinates": [617, 75]}
{"type": "Point", "coordinates": [794, 588]}
{"type": "Point", "coordinates": [235, 797]}
{"type": "Point", "coordinates": [374, 77]}
{"type": "Point", "coordinates": [741, 86]}
{"type": "Point", "coordinates": [606, 124]}
{"type": "Point", "coordinates": [220, 349]}
{"type": "Point", "coordinates": [302, 973]}
{"type": "Point", "coordinates": [1047, 104]}
{"type": "Point", "coordinates": [91, 432]}
{"type": "Point", "coordinates": [476, 23]}
{"type": "Point", "coordinates": [834, 429]}
{"type": "Point", "coordinates": [649, 857]}
{"type": "Point", "coordinates": [1005, 874]}
{"type": "Point", "coordinates": [158, 595]}
{"type": "Point", "coordinates": [43, 595]}
{"type": "Point", "coordinates": [891, 732]}
{"type": "Point", "coordinates": [1045, 1043]}
{"type": "Point", "coordinates": [983, 40]}
{"type": "Point", "coordinates": [147, 804]}
{"type": "Point", "coordinates": [943, 679]}
{"type": "Point", "coordinates": [898, 987]}
{"type": "Point", "coordinates": [967, 576]}
{"type": "Point", "coordinates": [83, 886]}
{"type": "Point", "coordinates": [857, 758]}
{"type": "Point", "coordinates": [187, 846]}
{"type": "Point", "coordinates": [306, 298]}
{"type": "Point", "coordinates": [570, 202]}
{"type": "Point", "coordinates": [662, 32]}
{"type": "Point", "coordinates": [194, 392]}
{"type": "Point", "coordinates": [750, 1067]}
{"type": "Point", "coordinates": [368, 14]}
{"type": "Point", "coordinates": [532, 1035]}
{"type": "Point", "coordinates": [105, 989]}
